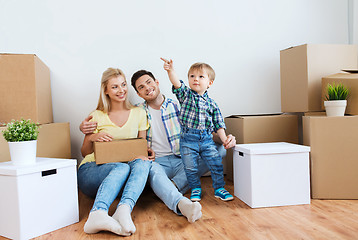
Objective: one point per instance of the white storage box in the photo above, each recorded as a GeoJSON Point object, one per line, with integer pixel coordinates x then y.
{"type": "Point", "coordinates": [272, 174]}
{"type": "Point", "coordinates": [37, 199]}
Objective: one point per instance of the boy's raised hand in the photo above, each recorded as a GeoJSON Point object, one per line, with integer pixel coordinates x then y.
{"type": "Point", "coordinates": [169, 67]}
{"type": "Point", "coordinates": [168, 64]}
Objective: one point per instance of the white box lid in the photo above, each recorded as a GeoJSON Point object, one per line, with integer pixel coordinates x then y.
{"type": "Point", "coordinates": [271, 148]}
{"type": "Point", "coordinates": [42, 164]}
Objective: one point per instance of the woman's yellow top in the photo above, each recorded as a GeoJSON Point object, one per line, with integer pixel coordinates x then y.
{"type": "Point", "coordinates": [137, 121]}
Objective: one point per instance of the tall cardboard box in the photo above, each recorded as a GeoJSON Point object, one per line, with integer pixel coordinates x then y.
{"type": "Point", "coordinates": [53, 141]}
{"type": "Point", "coordinates": [302, 68]}
{"type": "Point", "coordinates": [259, 129]}
{"type": "Point", "coordinates": [334, 154]}
{"type": "Point", "coordinates": [25, 89]}
{"type": "Point", "coordinates": [350, 80]}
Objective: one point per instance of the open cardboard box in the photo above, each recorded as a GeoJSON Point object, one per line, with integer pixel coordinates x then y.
{"type": "Point", "coordinates": [123, 150]}
{"type": "Point", "coordinates": [302, 68]}
{"type": "Point", "coordinates": [262, 128]}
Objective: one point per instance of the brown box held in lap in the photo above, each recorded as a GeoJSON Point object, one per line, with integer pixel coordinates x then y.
{"type": "Point", "coordinates": [123, 150]}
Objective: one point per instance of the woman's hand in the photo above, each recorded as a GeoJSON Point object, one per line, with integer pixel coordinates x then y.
{"type": "Point", "coordinates": [151, 155]}
{"type": "Point", "coordinates": [101, 137]}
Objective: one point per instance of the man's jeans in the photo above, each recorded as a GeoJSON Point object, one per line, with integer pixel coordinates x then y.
{"type": "Point", "coordinates": [170, 168]}
{"type": "Point", "coordinates": [196, 144]}
{"type": "Point", "coordinates": [106, 181]}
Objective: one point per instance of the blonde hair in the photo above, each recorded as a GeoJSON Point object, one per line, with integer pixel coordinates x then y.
{"type": "Point", "coordinates": [104, 102]}
{"type": "Point", "coordinates": [203, 66]}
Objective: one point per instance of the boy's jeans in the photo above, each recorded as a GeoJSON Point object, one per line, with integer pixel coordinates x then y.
{"type": "Point", "coordinates": [105, 182]}
{"type": "Point", "coordinates": [194, 144]}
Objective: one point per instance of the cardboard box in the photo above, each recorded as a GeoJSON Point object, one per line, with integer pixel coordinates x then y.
{"type": "Point", "coordinates": [272, 174]}
{"type": "Point", "coordinates": [350, 80]}
{"type": "Point", "coordinates": [259, 129]}
{"type": "Point", "coordinates": [334, 155]}
{"type": "Point", "coordinates": [53, 141]}
{"type": "Point", "coordinates": [315, 113]}
{"type": "Point", "coordinates": [39, 198]}
{"type": "Point", "coordinates": [123, 150]}
{"type": "Point", "coordinates": [302, 68]}
{"type": "Point", "coordinates": [25, 89]}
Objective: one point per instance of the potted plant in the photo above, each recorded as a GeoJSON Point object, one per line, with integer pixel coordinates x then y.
{"type": "Point", "coordinates": [336, 99]}
{"type": "Point", "coordinates": [22, 139]}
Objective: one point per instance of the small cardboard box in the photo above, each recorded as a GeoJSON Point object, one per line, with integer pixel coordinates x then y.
{"type": "Point", "coordinates": [272, 174]}
{"type": "Point", "coordinates": [302, 68]}
{"type": "Point", "coordinates": [259, 129]}
{"type": "Point", "coordinates": [53, 141]}
{"type": "Point", "coordinates": [25, 89]}
{"type": "Point", "coordinates": [334, 155]}
{"type": "Point", "coordinates": [39, 198]}
{"type": "Point", "coordinates": [350, 80]}
{"type": "Point", "coordinates": [123, 150]}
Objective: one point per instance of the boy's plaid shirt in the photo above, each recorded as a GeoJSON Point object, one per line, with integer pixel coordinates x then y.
{"type": "Point", "coordinates": [198, 112]}
{"type": "Point", "coordinates": [170, 118]}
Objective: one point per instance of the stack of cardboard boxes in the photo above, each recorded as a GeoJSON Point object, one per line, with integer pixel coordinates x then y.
{"type": "Point", "coordinates": [333, 156]}
{"type": "Point", "coordinates": [25, 92]}
{"type": "Point", "coordinates": [305, 72]}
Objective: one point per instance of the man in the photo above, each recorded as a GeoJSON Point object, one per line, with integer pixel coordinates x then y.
{"type": "Point", "coordinates": [167, 177]}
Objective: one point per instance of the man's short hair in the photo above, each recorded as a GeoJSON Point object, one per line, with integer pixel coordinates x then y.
{"type": "Point", "coordinates": [139, 74]}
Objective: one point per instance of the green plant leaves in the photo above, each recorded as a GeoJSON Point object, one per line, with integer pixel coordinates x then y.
{"type": "Point", "coordinates": [337, 92]}
{"type": "Point", "coordinates": [18, 131]}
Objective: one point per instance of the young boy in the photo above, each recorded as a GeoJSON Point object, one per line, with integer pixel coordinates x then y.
{"type": "Point", "coordinates": [199, 117]}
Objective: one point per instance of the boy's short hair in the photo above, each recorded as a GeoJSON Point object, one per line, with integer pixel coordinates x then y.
{"type": "Point", "coordinates": [138, 74]}
{"type": "Point", "coordinates": [203, 66]}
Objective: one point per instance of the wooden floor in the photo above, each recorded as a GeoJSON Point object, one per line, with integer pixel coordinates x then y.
{"type": "Point", "coordinates": [322, 219]}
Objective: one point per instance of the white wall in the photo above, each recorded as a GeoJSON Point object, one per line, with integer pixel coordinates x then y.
{"type": "Point", "coordinates": [240, 39]}
{"type": "Point", "coordinates": [354, 17]}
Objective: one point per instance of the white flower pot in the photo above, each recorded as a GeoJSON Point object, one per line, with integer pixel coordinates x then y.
{"type": "Point", "coordinates": [335, 108]}
{"type": "Point", "coordinates": [23, 153]}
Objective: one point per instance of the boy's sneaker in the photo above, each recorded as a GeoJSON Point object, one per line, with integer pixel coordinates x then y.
{"type": "Point", "coordinates": [195, 194]}
{"type": "Point", "coordinates": [223, 194]}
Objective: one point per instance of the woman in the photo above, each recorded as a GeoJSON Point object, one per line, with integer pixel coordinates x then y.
{"type": "Point", "coordinates": [117, 119]}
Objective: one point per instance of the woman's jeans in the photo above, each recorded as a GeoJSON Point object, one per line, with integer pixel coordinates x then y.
{"type": "Point", "coordinates": [106, 181]}
{"type": "Point", "coordinates": [196, 144]}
